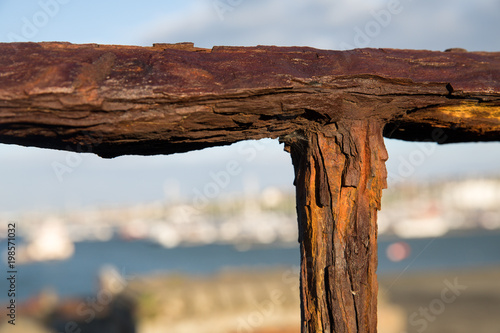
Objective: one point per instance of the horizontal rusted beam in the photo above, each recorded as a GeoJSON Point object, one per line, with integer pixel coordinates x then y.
{"type": "Point", "coordinates": [116, 100]}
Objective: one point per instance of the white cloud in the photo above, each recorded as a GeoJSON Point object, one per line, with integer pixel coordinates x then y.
{"type": "Point", "coordinates": [316, 23]}
{"type": "Point", "coordinates": [326, 23]}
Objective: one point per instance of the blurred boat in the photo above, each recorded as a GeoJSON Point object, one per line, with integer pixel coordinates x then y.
{"type": "Point", "coordinates": [50, 242]}
{"type": "Point", "coordinates": [421, 227]}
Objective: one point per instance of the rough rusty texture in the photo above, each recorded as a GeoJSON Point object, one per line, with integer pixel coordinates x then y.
{"type": "Point", "coordinates": [340, 174]}
{"type": "Point", "coordinates": [331, 108]}
{"type": "Point", "coordinates": [115, 100]}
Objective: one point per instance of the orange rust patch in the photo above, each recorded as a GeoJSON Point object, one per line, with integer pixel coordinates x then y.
{"type": "Point", "coordinates": [471, 110]}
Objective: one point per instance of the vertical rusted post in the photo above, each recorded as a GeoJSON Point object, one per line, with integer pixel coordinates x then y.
{"type": "Point", "coordinates": [340, 174]}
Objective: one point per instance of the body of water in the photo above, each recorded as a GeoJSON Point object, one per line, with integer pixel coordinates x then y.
{"type": "Point", "coordinates": [78, 275]}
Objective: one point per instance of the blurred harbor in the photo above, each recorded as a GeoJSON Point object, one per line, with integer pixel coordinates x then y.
{"type": "Point", "coordinates": [265, 217]}
{"type": "Point", "coordinates": [77, 276]}
{"type": "Point", "coordinates": [217, 289]}
{"type": "Point", "coordinates": [232, 265]}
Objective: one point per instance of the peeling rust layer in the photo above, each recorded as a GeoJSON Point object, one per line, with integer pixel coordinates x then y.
{"type": "Point", "coordinates": [340, 174]}
{"type": "Point", "coordinates": [116, 100]}
{"type": "Point", "coordinates": [331, 108]}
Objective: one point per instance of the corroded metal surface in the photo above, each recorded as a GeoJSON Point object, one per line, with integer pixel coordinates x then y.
{"type": "Point", "coordinates": [340, 174]}
{"type": "Point", "coordinates": [172, 98]}
{"type": "Point", "coordinates": [331, 108]}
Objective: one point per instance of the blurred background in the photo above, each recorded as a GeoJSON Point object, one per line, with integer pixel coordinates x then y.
{"type": "Point", "coordinates": [175, 243]}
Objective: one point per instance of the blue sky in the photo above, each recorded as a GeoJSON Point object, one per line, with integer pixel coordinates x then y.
{"type": "Point", "coordinates": [27, 178]}
{"type": "Point", "coordinates": [328, 24]}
